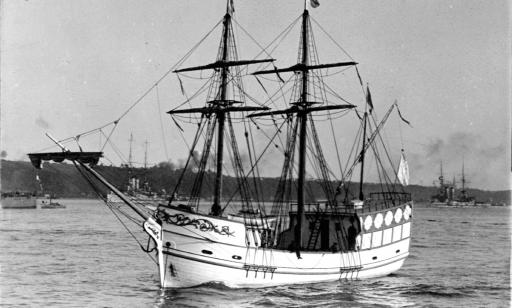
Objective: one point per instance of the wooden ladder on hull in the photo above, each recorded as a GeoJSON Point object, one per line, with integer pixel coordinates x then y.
{"type": "Point", "coordinates": [315, 232]}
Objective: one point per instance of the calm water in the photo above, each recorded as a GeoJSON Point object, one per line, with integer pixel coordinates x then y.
{"type": "Point", "coordinates": [82, 257]}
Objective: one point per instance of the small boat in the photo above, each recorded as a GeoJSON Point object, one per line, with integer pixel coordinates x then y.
{"type": "Point", "coordinates": [47, 202]}
{"type": "Point", "coordinates": [316, 223]}
{"type": "Point", "coordinates": [18, 200]}
{"type": "Point", "coordinates": [53, 205]}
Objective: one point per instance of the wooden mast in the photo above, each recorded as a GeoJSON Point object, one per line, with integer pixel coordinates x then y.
{"type": "Point", "coordinates": [221, 118]}
{"type": "Point", "coordinates": [302, 117]}
{"type": "Point", "coordinates": [221, 105]}
{"type": "Point", "coordinates": [302, 109]}
{"type": "Point", "coordinates": [361, 195]}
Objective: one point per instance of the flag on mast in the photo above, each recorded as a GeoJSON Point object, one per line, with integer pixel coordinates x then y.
{"type": "Point", "coordinates": [231, 7]}
{"type": "Point", "coordinates": [315, 3]}
{"type": "Point", "coordinates": [401, 117]}
{"type": "Point", "coordinates": [369, 98]}
{"type": "Point", "coordinates": [403, 170]}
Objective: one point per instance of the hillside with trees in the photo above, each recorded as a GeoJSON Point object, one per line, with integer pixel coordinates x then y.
{"type": "Point", "coordinates": [63, 180]}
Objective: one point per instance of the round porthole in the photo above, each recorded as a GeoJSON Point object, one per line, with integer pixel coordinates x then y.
{"type": "Point", "coordinates": [368, 222]}
{"type": "Point", "coordinates": [389, 218]}
{"type": "Point", "coordinates": [398, 215]}
{"type": "Point", "coordinates": [378, 221]}
{"type": "Point", "coordinates": [407, 212]}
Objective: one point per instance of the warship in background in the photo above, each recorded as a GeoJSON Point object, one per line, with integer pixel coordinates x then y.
{"type": "Point", "coordinates": [447, 195]}
{"type": "Point", "coordinates": [136, 189]}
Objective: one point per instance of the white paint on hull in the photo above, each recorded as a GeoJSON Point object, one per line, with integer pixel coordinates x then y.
{"type": "Point", "coordinates": [18, 203]}
{"type": "Point", "coordinates": [199, 249]}
{"type": "Point", "coordinates": [268, 267]}
{"type": "Point", "coordinates": [191, 272]}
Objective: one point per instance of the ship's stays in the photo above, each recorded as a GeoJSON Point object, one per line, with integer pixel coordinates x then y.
{"type": "Point", "coordinates": [317, 223]}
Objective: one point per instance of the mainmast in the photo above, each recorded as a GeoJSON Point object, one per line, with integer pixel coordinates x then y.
{"type": "Point", "coordinates": [302, 108]}
{"type": "Point", "coordinates": [303, 118]}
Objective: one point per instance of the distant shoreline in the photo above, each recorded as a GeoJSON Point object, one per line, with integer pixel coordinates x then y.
{"type": "Point", "coordinates": [64, 181]}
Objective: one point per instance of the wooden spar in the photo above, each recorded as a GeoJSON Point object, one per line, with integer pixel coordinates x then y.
{"type": "Point", "coordinates": [74, 156]}
{"type": "Point", "coordinates": [304, 68]}
{"type": "Point", "coordinates": [84, 159]}
{"type": "Point", "coordinates": [297, 110]}
{"type": "Point", "coordinates": [222, 64]}
{"type": "Point", "coordinates": [208, 110]}
{"type": "Point", "coordinates": [152, 226]}
{"type": "Point", "coordinates": [369, 142]}
{"type": "Point", "coordinates": [128, 202]}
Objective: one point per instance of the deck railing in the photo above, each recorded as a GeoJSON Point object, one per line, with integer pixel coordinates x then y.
{"type": "Point", "coordinates": [376, 202]}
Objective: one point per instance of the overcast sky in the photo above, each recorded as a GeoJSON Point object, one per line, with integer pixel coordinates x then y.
{"type": "Point", "coordinates": [71, 66]}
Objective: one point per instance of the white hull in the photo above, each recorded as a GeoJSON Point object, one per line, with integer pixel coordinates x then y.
{"type": "Point", "coordinates": [195, 254]}
{"type": "Point", "coordinates": [113, 198]}
{"type": "Point", "coordinates": [18, 203]}
{"type": "Point", "coordinates": [458, 204]}
{"type": "Point", "coordinates": [193, 269]}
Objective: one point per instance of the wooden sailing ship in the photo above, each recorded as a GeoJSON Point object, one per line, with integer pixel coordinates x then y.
{"type": "Point", "coordinates": [292, 237]}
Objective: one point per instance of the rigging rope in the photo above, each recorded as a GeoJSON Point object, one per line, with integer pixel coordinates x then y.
{"type": "Point", "coordinates": [137, 101]}
{"type": "Point", "coordinates": [161, 124]}
{"type": "Point", "coordinates": [97, 191]}
{"type": "Point", "coordinates": [332, 39]}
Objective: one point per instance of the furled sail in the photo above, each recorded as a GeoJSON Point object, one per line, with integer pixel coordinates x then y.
{"type": "Point", "coordinates": [84, 157]}
{"type": "Point", "coordinates": [403, 170]}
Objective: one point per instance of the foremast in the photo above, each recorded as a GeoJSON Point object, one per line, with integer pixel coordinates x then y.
{"type": "Point", "coordinates": [221, 118]}
{"type": "Point", "coordinates": [221, 106]}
